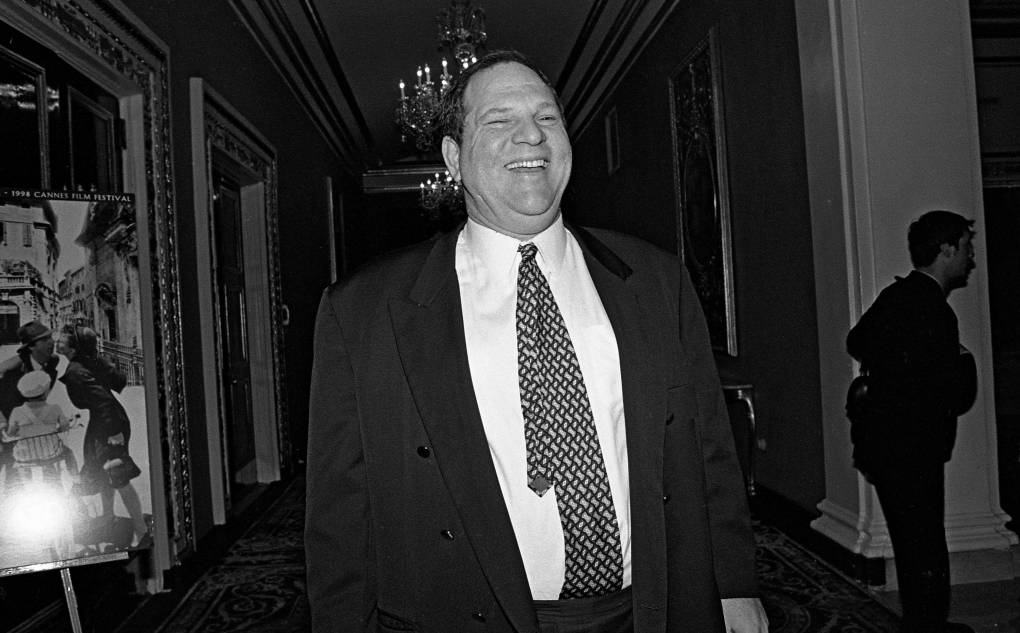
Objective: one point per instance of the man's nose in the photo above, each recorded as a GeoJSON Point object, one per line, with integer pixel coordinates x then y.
{"type": "Point", "coordinates": [529, 132]}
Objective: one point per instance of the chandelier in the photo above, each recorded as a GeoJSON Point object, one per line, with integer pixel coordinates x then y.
{"type": "Point", "coordinates": [461, 28]}
{"type": "Point", "coordinates": [440, 192]}
{"type": "Point", "coordinates": [418, 115]}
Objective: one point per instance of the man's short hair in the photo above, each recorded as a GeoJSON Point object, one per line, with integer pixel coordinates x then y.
{"type": "Point", "coordinates": [929, 232]}
{"type": "Point", "coordinates": [451, 109]}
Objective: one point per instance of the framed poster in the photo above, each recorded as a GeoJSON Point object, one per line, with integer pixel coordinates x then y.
{"type": "Point", "coordinates": [702, 193]}
{"type": "Point", "coordinates": [74, 450]}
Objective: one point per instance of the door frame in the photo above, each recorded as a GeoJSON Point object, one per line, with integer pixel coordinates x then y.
{"type": "Point", "coordinates": [219, 132]}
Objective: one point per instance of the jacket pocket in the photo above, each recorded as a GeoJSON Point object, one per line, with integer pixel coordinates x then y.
{"type": "Point", "coordinates": [681, 404]}
{"type": "Point", "coordinates": [387, 622]}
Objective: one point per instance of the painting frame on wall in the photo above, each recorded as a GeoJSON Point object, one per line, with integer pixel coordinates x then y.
{"type": "Point", "coordinates": [704, 237]}
{"type": "Point", "coordinates": [75, 476]}
{"type": "Point", "coordinates": [116, 51]}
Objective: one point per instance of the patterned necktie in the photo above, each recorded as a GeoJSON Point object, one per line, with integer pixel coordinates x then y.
{"type": "Point", "coordinates": [563, 447]}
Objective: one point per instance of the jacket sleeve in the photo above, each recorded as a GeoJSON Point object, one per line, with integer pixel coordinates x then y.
{"type": "Point", "coordinates": [733, 548]}
{"type": "Point", "coordinates": [338, 548]}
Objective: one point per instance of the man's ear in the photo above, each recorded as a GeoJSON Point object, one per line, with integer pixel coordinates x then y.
{"type": "Point", "coordinates": [947, 250]}
{"type": "Point", "coordinates": [451, 156]}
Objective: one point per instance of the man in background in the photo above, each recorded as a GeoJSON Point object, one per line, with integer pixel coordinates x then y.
{"type": "Point", "coordinates": [919, 379]}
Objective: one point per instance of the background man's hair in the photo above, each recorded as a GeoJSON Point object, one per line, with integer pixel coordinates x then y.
{"type": "Point", "coordinates": [451, 110]}
{"type": "Point", "coordinates": [83, 340]}
{"type": "Point", "coordinates": [929, 232]}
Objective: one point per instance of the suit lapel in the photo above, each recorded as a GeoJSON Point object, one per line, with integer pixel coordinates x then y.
{"type": "Point", "coordinates": [644, 403]}
{"type": "Point", "coordinates": [428, 326]}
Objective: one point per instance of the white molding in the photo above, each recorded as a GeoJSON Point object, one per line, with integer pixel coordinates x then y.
{"type": "Point", "coordinates": [259, 303]}
{"type": "Point", "coordinates": [259, 309]}
{"type": "Point", "coordinates": [869, 538]}
{"type": "Point", "coordinates": [331, 227]}
{"type": "Point", "coordinates": [202, 203]}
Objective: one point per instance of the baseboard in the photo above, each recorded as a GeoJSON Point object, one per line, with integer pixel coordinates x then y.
{"type": "Point", "coordinates": [795, 521]}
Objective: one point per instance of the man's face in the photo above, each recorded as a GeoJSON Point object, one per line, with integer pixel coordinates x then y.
{"type": "Point", "coordinates": [64, 345]}
{"type": "Point", "coordinates": [43, 348]}
{"type": "Point", "coordinates": [514, 158]}
{"type": "Point", "coordinates": [961, 262]}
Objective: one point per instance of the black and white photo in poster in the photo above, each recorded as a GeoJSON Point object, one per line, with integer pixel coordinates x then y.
{"type": "Point", "coordinates": [74, 461]}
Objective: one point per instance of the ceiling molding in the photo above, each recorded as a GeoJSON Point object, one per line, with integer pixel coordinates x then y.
{"type": "Point", "coordinates": [295, 39]}
{"type": "Point", "coordinates": [995, 18]}
{"type": "Point", "coordinates": [312, 14]}
{"type": "Point", "coordinates": [324, 99]}
{"type": "Point", "coordinates": [608, 51]}
{"type": "Point", "coordinates": [594, 15]}
{"type": "Point", "coordinates": [399, 179]}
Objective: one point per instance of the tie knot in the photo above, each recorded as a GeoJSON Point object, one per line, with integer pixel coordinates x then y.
{"type": "Point", "coordinates": [528, 252]}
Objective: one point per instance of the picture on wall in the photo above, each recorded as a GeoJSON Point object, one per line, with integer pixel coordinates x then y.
{"type": "Point", "coordinates": [703, 213]}
{"type": "Point", "coordinates": [74, 459]}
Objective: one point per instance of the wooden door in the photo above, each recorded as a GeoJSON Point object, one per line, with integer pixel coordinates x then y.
{"type": "Point", "coordinates": [232, 343]}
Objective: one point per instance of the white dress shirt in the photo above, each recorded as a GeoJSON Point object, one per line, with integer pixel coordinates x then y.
{"type": "Point", "coordinates": [487, 263]}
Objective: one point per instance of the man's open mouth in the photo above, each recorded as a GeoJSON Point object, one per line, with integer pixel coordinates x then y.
{"type": "Point", "coordinates": [528, 164]}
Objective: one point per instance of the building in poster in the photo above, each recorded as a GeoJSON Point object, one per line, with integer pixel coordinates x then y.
{"type": "Point", "coordinates": [110, 286]}
{"type": "Point", "coordinates": [29, 251]}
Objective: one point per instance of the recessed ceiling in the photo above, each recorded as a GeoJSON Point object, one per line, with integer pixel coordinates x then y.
{"type": "Point", "coordinates": [344, 58]}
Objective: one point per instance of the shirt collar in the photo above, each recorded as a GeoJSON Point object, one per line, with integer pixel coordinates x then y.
{"type": "Point", "coordinates": [498, 252]}
{"type": "Point", "coordinates": [932, 277]}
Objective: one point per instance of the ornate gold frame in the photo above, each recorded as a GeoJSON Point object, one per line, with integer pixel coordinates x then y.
{"type": "Point", "coordinates": [114, 48]}
{"type": "Point", "coordinates": [704, 237]}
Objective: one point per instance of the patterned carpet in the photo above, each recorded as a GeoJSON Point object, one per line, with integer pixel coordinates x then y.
{"type": "Point", "coordinates": [803, 594]}
{"type": "Point", "coordinates": [259, 586]}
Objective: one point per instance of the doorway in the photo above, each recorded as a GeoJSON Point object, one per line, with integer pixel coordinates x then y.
{"type": "Point", "coordinates": [996, 31]}
{"type": "Point", "coordinates": [239, 294]}
{"type": "Point", "coordinates": [231, 325]}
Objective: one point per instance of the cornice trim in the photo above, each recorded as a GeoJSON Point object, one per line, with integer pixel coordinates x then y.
{"type": "Point", "coordinates": [275, 34]}
{"type": "Point", "coordinates": [315, 20]}
{"type": "Point", "coordinates": [604, 62]}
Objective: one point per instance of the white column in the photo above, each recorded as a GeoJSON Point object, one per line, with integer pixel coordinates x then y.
{"type": "Point", "coordinates": [891, 132]}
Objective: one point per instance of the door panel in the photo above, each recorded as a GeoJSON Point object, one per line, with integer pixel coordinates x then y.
{"type": "Point", "coordinates": [233, 342]}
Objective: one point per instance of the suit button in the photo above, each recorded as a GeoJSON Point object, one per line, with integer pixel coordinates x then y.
{"type": "Point", "coordinates": [665, 499]}
{"type": "Point", "coordinates": [424, 451]}
{"type": "Point", "coordinates": [479, 616]}
{"type": "Point", "coordinates": [447, 534]}
{"type": "Point", "coordinates": [669, 419]}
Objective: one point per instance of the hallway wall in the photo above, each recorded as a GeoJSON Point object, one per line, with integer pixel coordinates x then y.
{"type": "Point", "coordinates": [207, 40]}
{"type": "Point", "coordinates": [773, 264]}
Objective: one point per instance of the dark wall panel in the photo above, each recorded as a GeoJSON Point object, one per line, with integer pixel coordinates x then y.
{"type": "Point", "coordinates": [773, 267]}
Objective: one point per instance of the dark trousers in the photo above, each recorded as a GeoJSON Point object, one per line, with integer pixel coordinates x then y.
{"type": "Point", "coordinates": [913, 501]}
{"type": "Point", "coordinates": [611, 613]}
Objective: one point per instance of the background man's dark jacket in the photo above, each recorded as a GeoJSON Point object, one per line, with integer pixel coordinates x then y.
{"type": "Point", "coordinates": [406, 526]}
{"type": "Point", "coordinates": [909, 343]}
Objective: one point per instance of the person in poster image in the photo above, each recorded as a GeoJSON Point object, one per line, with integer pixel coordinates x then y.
{"type": "Point", "coordinates": [90, 382]}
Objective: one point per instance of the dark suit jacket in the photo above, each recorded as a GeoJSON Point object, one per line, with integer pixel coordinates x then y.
{"type": "Point", "coordinates": [406, 526]}
{"type": "Point", "coordinates": [909, 343]}
{"type": "Point", "coordinates": [10, 397]}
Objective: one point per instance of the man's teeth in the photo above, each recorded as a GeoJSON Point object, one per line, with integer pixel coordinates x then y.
{"type": "Point", "coordinates": [527, 163]}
